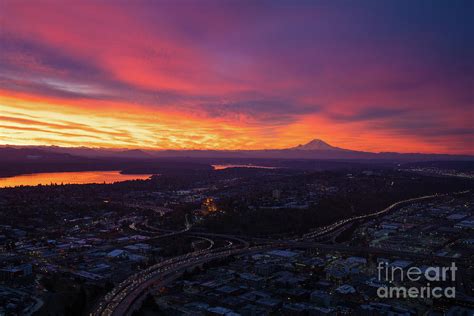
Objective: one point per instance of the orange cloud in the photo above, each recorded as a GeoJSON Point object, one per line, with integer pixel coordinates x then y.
{"type": "Point", "coordinates": [232, 76]}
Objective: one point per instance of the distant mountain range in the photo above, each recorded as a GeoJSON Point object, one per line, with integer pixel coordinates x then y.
{"type": "Point", "coordinates": [315, 149]}
{"type": "Point", "coordinates": [317, 144]}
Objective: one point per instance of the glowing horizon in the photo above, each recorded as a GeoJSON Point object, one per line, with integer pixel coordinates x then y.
{"type": "Point", "coordinates": [237, 75]}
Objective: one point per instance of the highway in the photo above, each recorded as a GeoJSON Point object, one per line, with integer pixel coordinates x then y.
{"type": "Point", "coordinates": [169, 273]}
{"type": "Point", "coordinates": [127, 296]}
{"type": "Point", "coordinates": [323, 231]}
{"type": "Point", "coordinates": [119, 300]}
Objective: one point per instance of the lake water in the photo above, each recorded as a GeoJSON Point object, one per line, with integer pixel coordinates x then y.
{"type": "Point", "coordinates": [81, 177]}
{"type": "Point", "coordinates": [220, 167]}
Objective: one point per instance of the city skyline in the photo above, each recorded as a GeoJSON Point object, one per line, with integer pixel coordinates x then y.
{"type": "Point", "coordinates": [391, 76]}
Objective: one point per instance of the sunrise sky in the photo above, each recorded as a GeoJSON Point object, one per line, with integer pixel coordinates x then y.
{"type": "Point", "coordinates": [364, 75]}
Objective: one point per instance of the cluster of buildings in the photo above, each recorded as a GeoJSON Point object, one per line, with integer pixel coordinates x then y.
{"type": "Point", "coordinates": [18, 302]}
{"type": "Point", "coordinates": [88, 249]}
{"type": "Point", "coordinates": [442, 228]}
{"type": "Point", "coordinates": [93, 238]}
{"type": "Point", "coordinates": [337, 282]}
{"type": "Point", "coordinates": [293, 282]}
{"type": "Point", "coordinates": [103, 234]}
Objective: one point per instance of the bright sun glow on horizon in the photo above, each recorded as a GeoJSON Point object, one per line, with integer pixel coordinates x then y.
{"type": "Point", "coordinates": [243, 75]}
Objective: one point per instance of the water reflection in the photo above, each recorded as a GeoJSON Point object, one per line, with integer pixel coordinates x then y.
{"type": "Point", "coordinates": [220, 167]}
{"type": "Point", "coordinates": [81, 177]}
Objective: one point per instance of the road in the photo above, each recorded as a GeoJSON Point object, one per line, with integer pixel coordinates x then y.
{"type": "Point", "coordinates": [325, 230]}
{"type": "Point", "coordinates": [167, 274]}
{"type": "Point", "coordinates": [127, 296]}
{"type": "Point", "coordinates": [119, 300]}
